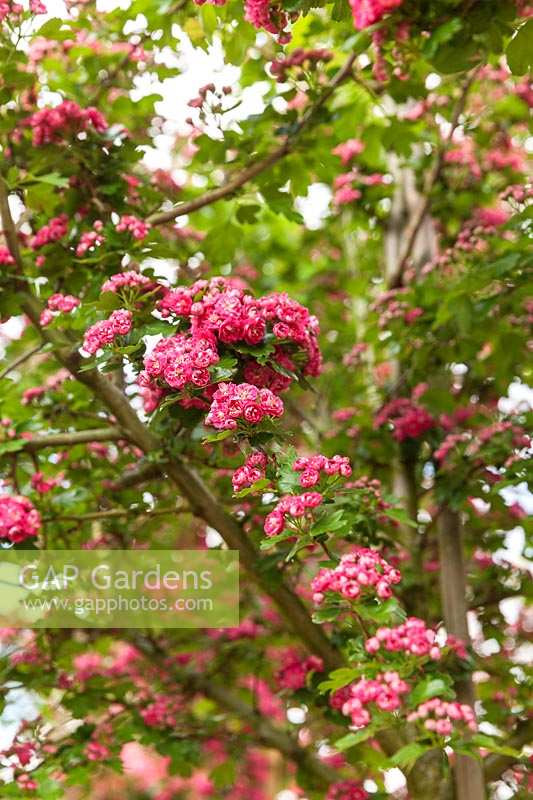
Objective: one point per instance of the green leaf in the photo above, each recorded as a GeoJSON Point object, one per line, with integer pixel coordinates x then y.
{"type": "Point", "coordinates": [408, 754]}
{"type": "Point", "coordinates": [12, 446]}
{"type": "Point", "coordinates": [519, 53]}
{"type": "Point", "coordinates": [258, 486]}
{"type": "Point", "coordinates": [492, 744]}
{"type": "Point", "coordinates": [329, 522]}
{"type": "Point", "coordinates": [431, 687]}
{"type": "Point", "coordinates": [217, 437]}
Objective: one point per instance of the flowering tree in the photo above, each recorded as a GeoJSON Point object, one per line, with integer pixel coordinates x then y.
{"type": "Point", "coordinates": [191, 364]}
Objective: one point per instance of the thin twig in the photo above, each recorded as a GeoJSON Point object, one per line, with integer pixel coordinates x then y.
{"type": "Point", "coordinates": [119, 512]}
{"type": "Point", "coordinates": [71, 438]}
{"type": "Point", "coordinates": [20, 360]}
{"type": "Point", "coordinates": [255, 168]}
{"type": "Point", "coordinates": [420, 213]}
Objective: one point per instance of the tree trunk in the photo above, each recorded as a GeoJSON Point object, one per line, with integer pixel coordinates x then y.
{"type": "Point", "coordinates": [468, 772]}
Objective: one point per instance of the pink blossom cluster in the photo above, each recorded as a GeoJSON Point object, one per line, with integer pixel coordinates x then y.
{"type": "Point", "coordinates": [251, 471]}
{"type": "Point", "coordinates": [411, 637]}
{"type": "Point", "coordinates": [294, 669]}
{"type": "Point", "coordinates": [91, 239]}
{"type": "Point", "coordinates": [391, 306]}
{"type": "Point", "coordinates": [137, 227]}
{"type": "Point", "coordinates": [347, 790]}
{"type": "Point", "coordinates": [43, 484]}
{"type": "Point", "coordinates": [6, 259]}
{"type": "Point", "coordinates": [53, 231]}
{"type": "Point", "coordinates": [7, 8]}
{"type": "Point", "coordinates": [58, 304]}
{"type": "Point", "coordinates": [408, 419]}
{"type": "Point", "coordinates": [290, 506]}
{"type": "Point", "coordinates": [471, 238]}
{"type": "Point", "coordinates": [129, 279]}
{"type": "Point", "coordinates": [182, 359]}
{"type": "Point", "coordinates": [312, 466]}
{"type": "Point", "coordinates": [242, 402]}
{"type": "Point", "coordinates": [354, 356]}
{"type": "Point", "coordinates": [367, 12]}
{"type": "Point", "coordinates": [19, 519]}
{"type": "Point", "coordinates": [359, 571]}
{"type": "Point", "coordinates": [268, 15]}
{"type": "Point", "coordinates": [247, 629]}
{"type": "Point", "coordinates": [223, 307]}
{"type": "Point", "coordinates": [96, 751]}
{"type": "Point", "coordinates": [439, 716]}
{"type": "Point", "coordinates": [347, 185]}
{"type": "Point", "coordinates": [385, 691]}
{"type": "Point", "coordinates": [449, 444]}
{"type": "Point", "coordinates": [371, 489]}
{"type": "Point", "coordinates": [262, 375]}
{"type": "Point", "coordinates": [102, 333]}
{"type": "Point", "coordinates": [150, 393]}
{"type": "Point", "coordinates": [308, 59]}
{"type": "Point", "coordinates": [162, 712]}
{"type": "Point", "coordinates": [348, 150]}
{"type": "Point", "coordinates": [55, 124]}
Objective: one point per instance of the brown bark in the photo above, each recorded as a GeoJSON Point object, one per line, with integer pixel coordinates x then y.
{"type": "Point", "coordinates": [468, 772]}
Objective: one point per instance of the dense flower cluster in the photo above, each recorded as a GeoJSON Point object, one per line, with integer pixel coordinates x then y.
{"type": "Point", "coordinates": [358, 571]}
{"type": "Point", "coordinates": [19, 519]}
{"type": "Point", "coordinates": [290, 506]}
{"type": "Point", "coordinates": [130, 279]}
{"type": "Point", "coordinates": [439, 716]}
{"type": "Point", "coordinates": [182, 359]}
{"type": "Point", "coordinates": [367, 12]}
{"type": "Point", "coordinates": [385, 691]}
{"type": "Point", "coordinates": [55, 124]}
{"type": "Point", "coordinates": [43, 484]}
{"type": "Point", "coordinates": [408, 419]}
{"type": "Point", "coordinates": [347, 790]}
{"type": "Point", "coordinates": [162, 712]}
{"type": "Point", "coordinates": [104, 332]}
{"type": "Point", "coordinates": [251, 471]}
{"type": "Point", "coordinates": [449, 444]}
{"type": "Point", "coordinates": [223, 308]}
{"type": "Point", "coordinates": [307, 59]}
{"type": "Point", "coordinates": [6, 259]}
{"type": "Point", "coordinates": [53, 231]}
{"type": "Point", "coordinates": [411, 637]}
{"type": "Point", "coordinates": [58, 304]}
{"type": "Point", "coordinates": [242, 402]}
{"type": "Point", "coordinates": [312, 466]}
{"type": "Point", "coordinates": [294, 669]}
{"type": "Point", "coordinates": [137, 227]}
{"type": "Point", "coordinates": [90, 239]}
{"type": "Point", "coordinates": [348, 150]}
{"type": "Point", "coordinates": [267, 15]}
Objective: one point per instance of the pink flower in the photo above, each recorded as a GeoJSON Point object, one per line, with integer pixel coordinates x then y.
{"type": "Point", "coordinates": [348, 150]}
{"type": "Point", "coordinates": [103, 333]}
{"type": "Point", "coordinates": [19, 519]}
{"type": "Point", "coordinates": [367, 12]}
{"type": "Point", "coordinates": [234, 401]}
{"type": "Point", "coordinates": [53, 125]}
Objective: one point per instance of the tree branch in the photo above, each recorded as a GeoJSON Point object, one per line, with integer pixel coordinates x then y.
{"type": "Point", "coordinates": [419, 215]}
{"type": "Point", "coordinates": [119, 512]}
{"type": "Point", "coordinates": [469, 780]}
{"type": "Point", "coordinates": [263, 730]}
{"type": "Point", "coordinates": [71, 438]}
{"type": "Point", "coordinates": [202, 503]}
{"type": "Point", "coordinates": [20, 360]}
{"type": "Point", "coordinates": [255, 167]}
{"type": "Point", "coordinates": [140, 474]}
